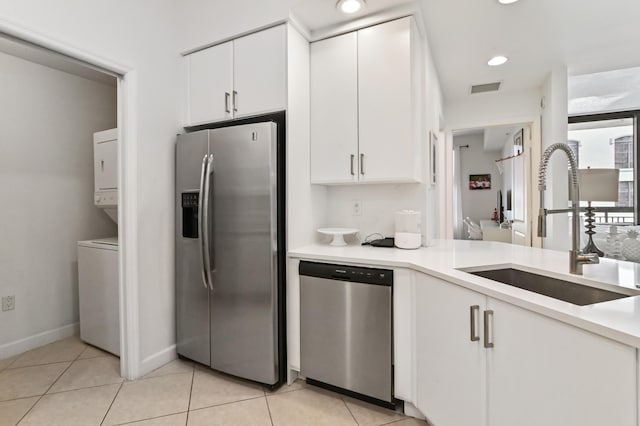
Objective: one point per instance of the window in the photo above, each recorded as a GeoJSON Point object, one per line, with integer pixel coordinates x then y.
{"type": "Point", "coordinates": [575, 147]}
{"type": "Point", "coordinates": [608, 140]}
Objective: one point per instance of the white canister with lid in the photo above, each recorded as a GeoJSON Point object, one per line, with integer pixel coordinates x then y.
{"type": "Point", "coordinates": [408, 235]}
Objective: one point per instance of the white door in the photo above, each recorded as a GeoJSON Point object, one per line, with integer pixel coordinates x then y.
{"type": "Point", "coordinates": [385, 102]}
{"type": "Point", "coordinates": [450, 356]}
{"type": "Point", "coordinates": [260, 72]}
{"type": "Point", "coordinates": [210, 84]}
{"type": "Point", "coordinates": [334, 110]}
{"type": "Point", "coordinates": [544, 372]}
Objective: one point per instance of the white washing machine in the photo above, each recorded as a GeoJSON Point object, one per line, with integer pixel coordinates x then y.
{"type": "Point", "coordinates": [99, 293]}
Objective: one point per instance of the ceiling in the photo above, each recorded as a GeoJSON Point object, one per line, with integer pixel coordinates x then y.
{"type": "Point", "coordinates": [536, 36]}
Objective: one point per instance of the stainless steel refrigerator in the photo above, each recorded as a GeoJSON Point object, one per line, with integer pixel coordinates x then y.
{"type": "Point", "coordinates": [230, 250]}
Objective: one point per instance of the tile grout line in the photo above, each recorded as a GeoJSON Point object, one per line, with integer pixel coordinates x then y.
{"type": "Point", "coordinates": [111, 405]}
{"type": "Point", "coordinates": [50, 386]}
{"type": "Point", "coordinates": [193, 379]}
{"type": "Point", "coordinates": [349, 410]}
{"type": "Point", "coordinates": [266, 400]}
{"type": "Point", "coordinates": [150, 418]}
{"type": "Point", "coordinates": [85, 387]}
{"type": "Point", "coordinates": [226, 403]}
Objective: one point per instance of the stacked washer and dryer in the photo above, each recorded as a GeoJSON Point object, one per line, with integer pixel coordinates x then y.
{"type": "Point", "coordinates": [98, 259]}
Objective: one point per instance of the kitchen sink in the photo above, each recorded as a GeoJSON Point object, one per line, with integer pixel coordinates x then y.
{"type": "Point", "coordinates": [567, 291]}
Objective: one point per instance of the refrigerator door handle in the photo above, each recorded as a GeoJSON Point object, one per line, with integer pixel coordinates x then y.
{"type": "Point", "coordinates": [205, 222]}
{"type": "Point", "coordinates": [201, 233]}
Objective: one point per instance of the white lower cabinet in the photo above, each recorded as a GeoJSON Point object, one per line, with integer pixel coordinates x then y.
{"type": "Point", "coordinates": [480, 361]}
{"type": "Point", "coordinates": [449, 363]}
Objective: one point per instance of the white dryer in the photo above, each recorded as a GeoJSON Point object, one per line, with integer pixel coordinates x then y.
{"type": "Point", "coordinates": [99, 293]}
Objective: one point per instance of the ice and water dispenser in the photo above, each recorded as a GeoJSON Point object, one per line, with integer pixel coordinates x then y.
{"type": "Point", "coordinates": [190, 201]}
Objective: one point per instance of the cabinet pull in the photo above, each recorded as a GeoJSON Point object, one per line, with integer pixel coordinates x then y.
{"type": "Point", "coordinates": [473, 317]}
{"type": "Point", "coordinates": [235, 101]}
{"type": "Point", "coordinates": [352, 172]}
{"type": "Point", "coordinates": [488, 343]}
{"type": "Point", "coordinates": [226, 102]}
{"type": "Point", "coordinates": [361, 164]}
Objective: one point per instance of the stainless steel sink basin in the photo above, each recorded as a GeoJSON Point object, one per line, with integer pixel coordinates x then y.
{"type": "Point", "coordinates": [577, 294]}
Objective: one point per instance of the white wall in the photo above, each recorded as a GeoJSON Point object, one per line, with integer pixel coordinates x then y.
{"type": "Point", "coordinates": [554, 129]}
{"type": "Point", "coordinates": [304, 214]}
{"type": "Point", "coordinates": [487, 109]}
{"type": "Point", "coordinates": [47, 118]}
{"type": "Point", "coordinates": [378, 204]}
{"type": "Point", "coordinates": [478, 204]}
{"type": "Point", "coordinates": [204, 22]}
{"type": "Point", "coordinates": [436, 195]}
{"type": "Point", "coordinates": [142, 36]}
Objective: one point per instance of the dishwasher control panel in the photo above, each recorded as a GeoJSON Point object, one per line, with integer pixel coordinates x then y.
{"type": "Point", "coordinates": [356, 274]}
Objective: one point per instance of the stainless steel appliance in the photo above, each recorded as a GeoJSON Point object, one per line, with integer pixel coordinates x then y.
{"type": "Point", "coordinates": [346, 329]}
{"type": "Point", "coordinates": [229, 250]}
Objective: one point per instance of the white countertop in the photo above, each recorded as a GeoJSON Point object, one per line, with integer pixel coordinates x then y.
{"type": "Point", "coordinates": [617, 319]}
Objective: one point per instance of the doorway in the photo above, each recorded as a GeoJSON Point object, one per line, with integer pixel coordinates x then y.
{"type": "Point", "coordinates": [491, 181]}
{"type": "Point", "coordinates": [55, 101]}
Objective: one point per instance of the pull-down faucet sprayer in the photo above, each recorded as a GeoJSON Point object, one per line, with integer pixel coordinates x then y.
{"type": "Point", "coordinates": [576, 257]}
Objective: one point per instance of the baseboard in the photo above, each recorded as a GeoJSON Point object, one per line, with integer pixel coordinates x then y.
{"type": "Point", "coordinates": [19, 346]}
{"type": "Point", "coordinates": [157, 360]}
{"type": "Point", "coordinates": [411, 411]}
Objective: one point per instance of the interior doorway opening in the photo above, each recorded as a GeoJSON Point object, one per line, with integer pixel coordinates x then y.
{"type": "Point", "coordinates": [54, 101]}
{"type": "Point", "coordinates": [491, 182]}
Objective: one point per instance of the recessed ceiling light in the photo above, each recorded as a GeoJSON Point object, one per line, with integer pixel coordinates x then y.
{"type": "Point", "coordinates": [350, 6]}
{"type": "Point", "coordinates": [497, 60]}
{"type": "Point", "coordinates": [507, 1]}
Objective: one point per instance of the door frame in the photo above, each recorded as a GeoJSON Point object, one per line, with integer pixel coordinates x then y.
{"type": "Point", "coordinates": [535, 146]}
{"type": "Point", "coordinates": [127, 188]}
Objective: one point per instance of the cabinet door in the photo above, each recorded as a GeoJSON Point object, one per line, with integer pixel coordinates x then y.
{"type": "Point", "coordinates": [450, 365]}
{"type": "Point", "coordinates": [260, 72]}
{"type": "Point", "coordinates": [105, 165]}
{"type": "Point", "coordinates": [544, 372]}
{"type": "Point", "coordinates": [385, 102]}
{"type": "Point", "coordinates": [334, 110]}
{"type": "Point", "coordinates": [210, 83]}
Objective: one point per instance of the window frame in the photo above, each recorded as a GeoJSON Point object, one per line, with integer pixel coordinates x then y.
{"type": "Point", "coordinates": [635, 116]}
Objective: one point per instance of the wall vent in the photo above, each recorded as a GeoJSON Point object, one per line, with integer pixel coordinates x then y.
{"type": "Point", "coordinates": [483, 88]}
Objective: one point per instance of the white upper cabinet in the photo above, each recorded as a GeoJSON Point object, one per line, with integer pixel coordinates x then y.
{"type": "Point", "coordinates": [365, 103]}
{"type": "Point", "coordinates": [210, 84]}
{"type": "Point", "coordinates": [239, 78]}
{"type": "Point", "coordinates": [334, 110]}
{"type": "Point", "coordinates": [259, 81]}
{"type": "Point", "coordinates": [385, 102]}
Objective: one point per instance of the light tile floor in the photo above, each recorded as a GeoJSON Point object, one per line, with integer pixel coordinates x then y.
{"type": "Point", "coordinates": [69, 383]}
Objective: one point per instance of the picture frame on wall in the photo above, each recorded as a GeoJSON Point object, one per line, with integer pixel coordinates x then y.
{"type": "Point", "coordinates": [480, 181]}
{"type": "Point", "coordinates": [433, 150]}
{"type": "Point", "coordinates": [518, 142]}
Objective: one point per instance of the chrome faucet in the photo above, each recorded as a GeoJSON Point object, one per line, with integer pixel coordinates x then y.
{"type": "Point", "coordinates": [576, 257]}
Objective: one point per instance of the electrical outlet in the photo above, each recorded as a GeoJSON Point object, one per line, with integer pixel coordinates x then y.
{"type": "Point", "coordinates": [356, 208]}
{"type": "Point", "coordinates": [8, 303]}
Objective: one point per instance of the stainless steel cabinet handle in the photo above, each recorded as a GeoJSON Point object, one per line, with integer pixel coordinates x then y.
{"type": "Point", "coordinates": [473, 318]}
{"type": "Point", "coordinates": [205, 221]}
{"type": "Point", "coordinates": [488, 320]}
{"type": "Point", "coordinates": [226, 102]}
{"type": "Point", "coordinates": [352, 157]}
{"type": "Point", "coordinates": [235, 101]}
{"type": "Point", "coordinates": [361, 164]}
{"type": "Point", "coordinates": [201, 233]}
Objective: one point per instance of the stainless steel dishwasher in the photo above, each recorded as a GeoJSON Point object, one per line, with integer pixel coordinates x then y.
{"type": "Point", "coordinates": [346, 336]}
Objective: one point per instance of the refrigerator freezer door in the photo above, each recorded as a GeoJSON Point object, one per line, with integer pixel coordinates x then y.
{"type": "Point", "coordinates": [244, 297]}
{"type": "Point", "coordinates": [192, 296]}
